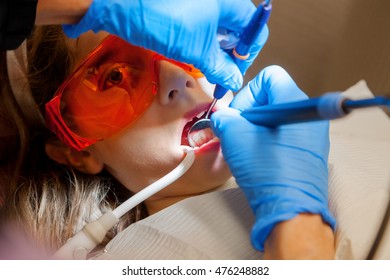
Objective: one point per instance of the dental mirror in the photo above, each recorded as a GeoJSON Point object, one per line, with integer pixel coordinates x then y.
{"type": "Point", "coordinates": [204, 124]}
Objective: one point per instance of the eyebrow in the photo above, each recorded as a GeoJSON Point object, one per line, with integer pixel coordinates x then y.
{"type": "Point", "coordinates": [100, 58]}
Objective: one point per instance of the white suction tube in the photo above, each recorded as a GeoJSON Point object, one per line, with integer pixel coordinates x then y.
{"type": "Point", "coordinates": [93, 233]}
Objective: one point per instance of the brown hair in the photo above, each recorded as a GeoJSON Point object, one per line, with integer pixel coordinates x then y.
{"type": "Point", "coordinates": [49, 201]}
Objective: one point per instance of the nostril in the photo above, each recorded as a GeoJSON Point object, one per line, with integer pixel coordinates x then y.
{"type": "Point", "coordinates": [172, 94]}
{"type": "Point", "coordinates": [189, 84]}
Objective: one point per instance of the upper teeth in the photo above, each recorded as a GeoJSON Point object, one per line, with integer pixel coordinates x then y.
{"type": "Point", "coordinates": [200, 115]}
{"type": "Point", "coordinates": [200, 137]}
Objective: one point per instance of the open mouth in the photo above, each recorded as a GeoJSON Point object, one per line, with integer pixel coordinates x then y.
{"type": "Point", "coordinates": [199, 137]}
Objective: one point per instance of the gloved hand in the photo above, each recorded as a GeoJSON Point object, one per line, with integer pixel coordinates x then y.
{"type": "Point", "coordinates": [182, 30]}
{"type": "Point", "coordinates": [282, 171]}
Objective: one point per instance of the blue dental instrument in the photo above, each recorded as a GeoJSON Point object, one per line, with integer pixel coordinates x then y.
{"type": "Point", "coordinates": [239, 54]}
{"type": "Point", "coordinates": [327, 107]}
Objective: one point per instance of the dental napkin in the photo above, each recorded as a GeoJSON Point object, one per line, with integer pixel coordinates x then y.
{"type": "Point", "coordinates": [217, 225]}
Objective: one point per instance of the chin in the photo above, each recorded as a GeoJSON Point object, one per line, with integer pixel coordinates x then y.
{"type": "Point", "coordinates": [209, 168]}
{"type": "Point", "coordinates": [208, 172]}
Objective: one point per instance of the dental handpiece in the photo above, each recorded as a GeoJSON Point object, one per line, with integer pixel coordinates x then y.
{"type": "Point", "coordinates": [241, 52]}
{"type": "Point", "coordinates": [327, 107]}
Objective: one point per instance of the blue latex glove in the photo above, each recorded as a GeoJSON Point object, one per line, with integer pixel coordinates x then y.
{"type": "Point", "coordinates": [182, 30]}
{"type": "Point", "coordinates": [283, 171]}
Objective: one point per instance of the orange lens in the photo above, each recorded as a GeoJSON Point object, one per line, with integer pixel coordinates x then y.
{"type": "Point", "coordinates": [113, 86]}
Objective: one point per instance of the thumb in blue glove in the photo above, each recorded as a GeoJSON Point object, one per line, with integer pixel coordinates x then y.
{"type": "Point", "coordinates": [282, 171]}
{"type": "Point", "coordinates": [182, 30]}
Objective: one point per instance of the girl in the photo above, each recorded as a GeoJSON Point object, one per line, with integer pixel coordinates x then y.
{"type": "Point", "coordinates": [97, 120]}
{"type": "Point", "coordinates": [56, 188]}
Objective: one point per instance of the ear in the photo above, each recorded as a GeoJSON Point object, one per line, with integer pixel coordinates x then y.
{"type": "Point", "coordinates": [82, 161]}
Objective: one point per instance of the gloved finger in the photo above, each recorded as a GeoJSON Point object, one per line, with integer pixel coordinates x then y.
{"type": "Point", "coordinates": [221, 120]}
{"type": "Point", "coordinates": [227, 124]}
{"type": "Point", "coordinates": [235, 15]}
{"type": "Point", "coordinates": [273, 85]}
{"type": "Point", "coordinates": [255, 50]}
{"type": "Point", "coordinates": [101, 15]}
{"type": "Point", "coordinates": [228, 121]}
{"type": "Point", "coordinates": [240, 142]}
{"type": "Point", "coordinates": [221, 69]}
{"type": "Point", "coordinates": [92, 19]}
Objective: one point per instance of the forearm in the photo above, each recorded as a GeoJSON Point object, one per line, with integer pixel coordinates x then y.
{"type": "Point", "coordinates": [61, 11]}
{"type": "Point", "coordinates": [304, 237]}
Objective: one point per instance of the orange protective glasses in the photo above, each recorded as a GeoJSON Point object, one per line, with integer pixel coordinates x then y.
{"type": "Point", "coordinates": [114, 85]}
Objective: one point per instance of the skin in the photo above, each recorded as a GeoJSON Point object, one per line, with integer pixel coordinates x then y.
{"type": "Point", "coordinates": [61, 11]}
{"type": "Point", "coordinates": [304, 237]}
{"type": "Point", "coordinates": [151, 147]}
{"type": "Point", "coordinates": [159, 130]}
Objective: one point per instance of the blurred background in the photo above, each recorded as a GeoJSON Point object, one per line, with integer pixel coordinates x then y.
{"type": "Point", "coordinates": [329, 45]}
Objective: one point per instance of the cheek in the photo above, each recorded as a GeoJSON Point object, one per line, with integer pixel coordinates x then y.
{"type": "Point", "coordinates": [208, 172]}
{"type": "Point", "coordinates": [138, 158]}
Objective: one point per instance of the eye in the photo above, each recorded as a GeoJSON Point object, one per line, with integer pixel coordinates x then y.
{"type": "Point", "coordinates": [114, 77]}
{"type": "Point", "coordinates": [119, 75]}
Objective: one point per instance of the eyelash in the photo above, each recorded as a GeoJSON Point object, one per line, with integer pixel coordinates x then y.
{"type": "Point", "coordinates": [100, 75]}
{"type": "Point", "coordinates": [107, 81]}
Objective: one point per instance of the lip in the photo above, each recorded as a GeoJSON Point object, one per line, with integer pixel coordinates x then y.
{"type": "Point", "coordinates": [213, 145]}
{"type": "Point", "coordinates": [196, 111]}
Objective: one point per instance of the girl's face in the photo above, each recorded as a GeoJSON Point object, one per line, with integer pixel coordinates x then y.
{"type": "Point", "coordinates": [151, 147]}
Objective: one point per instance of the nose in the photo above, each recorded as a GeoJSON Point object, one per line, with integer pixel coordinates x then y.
{"type": "Point", "coordinates": [173, 82]}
